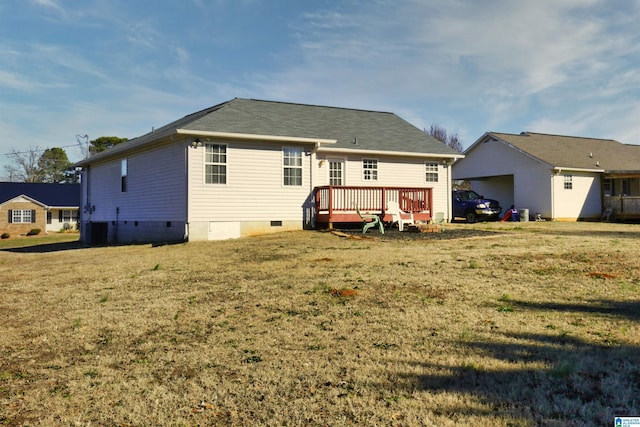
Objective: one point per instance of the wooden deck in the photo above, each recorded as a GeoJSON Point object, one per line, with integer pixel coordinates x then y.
{"type": "Point", "coordinates": [337, 204]}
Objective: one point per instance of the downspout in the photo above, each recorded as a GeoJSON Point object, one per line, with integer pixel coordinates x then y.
{"type": "Point", "coordinates": [187, 200]}
{"type": "Point", "coordinates": [447, 166]}
{"type": "Point", "coordinates": [87, 205]}
{"type": "Point", "coordinates": [553, 196]}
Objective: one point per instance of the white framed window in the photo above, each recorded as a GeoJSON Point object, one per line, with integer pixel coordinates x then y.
{"type": "Point", "coordinates": [431, 171]}
{"type": "Point", "coordinates": [123, 175]}
{"type": "Point", "coordinates": [568, 182]}
{"type": "Point", "coordinates": [369, 169]}
{"type": "Point", "coordinates": [22, 216]}
{"type": "Point", "coordinates": [292, 166]}
{"type": "Point", "coordinates": [336, 172]}
{"type": "Point", "coordinates": [69, 215]}
{"type": "Point", "coordinates": [215, 164]}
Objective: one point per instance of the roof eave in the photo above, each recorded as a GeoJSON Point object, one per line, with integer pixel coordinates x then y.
{"type": "Point", "coordinates": [559, 169]}
{"type": "Point", "coordinates": [256, 137]}
{"type": "Point", "coordinates": [387, 153]}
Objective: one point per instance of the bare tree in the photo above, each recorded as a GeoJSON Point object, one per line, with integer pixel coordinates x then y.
{"type": "Point", "coordinates": [440, 134]}
{"type": "Point", "coordinates": [24, 166]}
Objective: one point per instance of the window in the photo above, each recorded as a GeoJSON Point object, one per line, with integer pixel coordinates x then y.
{"type": "Point", "coordinates": [292, 164]}
{"type": "Point", "coordinates": [22, 216]}
{"type": "Point", "coordinates": [626, 187]}
{"type": "Point", "coordinates": [68, 216]}
{"type": "Point", "coordinates": [568, 182]}
{"type": "Point", "coordinates": [336, 173]}
{"type": "Point", "coordinates": [123, 176]}
{"type": "Point", "coordinates": [607, 187]}
{"type": "Point", "coordinates": [370, 170]}
{"type": "Point", "coordinates": [215, 164]}
{"type": "Point", "coordinates": [431, 171]}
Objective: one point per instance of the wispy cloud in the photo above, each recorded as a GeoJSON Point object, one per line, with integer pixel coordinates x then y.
{"type": "Point", "coordinates": [502, 57]}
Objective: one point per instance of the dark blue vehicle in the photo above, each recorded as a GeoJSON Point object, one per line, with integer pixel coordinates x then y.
{"type": "Point", "coordinates": [473, 207]}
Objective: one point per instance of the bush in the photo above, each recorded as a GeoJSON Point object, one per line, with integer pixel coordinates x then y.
{"type": "Point", "coordinates": [5, 236]}
{"type": "Point", "coordinates": [34, 232]}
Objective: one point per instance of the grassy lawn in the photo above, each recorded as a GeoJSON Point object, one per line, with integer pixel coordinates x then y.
{"type": "Point", "coordinates": [512, 325]}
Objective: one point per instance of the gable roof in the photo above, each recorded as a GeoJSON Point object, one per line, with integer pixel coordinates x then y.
{"type": "Point", "coordinates": [341, 128]}
{"type": "Point", "coordinates": [52, 195]}
{"type": "Point", "coordinates": [572, 152]}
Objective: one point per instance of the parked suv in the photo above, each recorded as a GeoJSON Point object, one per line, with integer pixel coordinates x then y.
{"type": "Point", "coordinates": [473, 207]}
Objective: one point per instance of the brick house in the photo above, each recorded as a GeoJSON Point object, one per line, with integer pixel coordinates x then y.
{"type": "Point", "coordinates": [27, 206]}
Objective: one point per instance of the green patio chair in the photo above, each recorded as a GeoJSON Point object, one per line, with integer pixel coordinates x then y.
{"type": "Point", "coordinates": [369, 221]}
{"type": "Point", "coordinates": [439, 219]}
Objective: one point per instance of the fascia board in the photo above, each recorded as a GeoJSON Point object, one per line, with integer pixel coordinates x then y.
{"type": "Point", "coordinates": [559, 169]}
{"type": "Point", "coordinates": [256, 137]}
{"type": "Point", "coordinates": [329, 150]}
{"type": "Point", "coordinates": [32, 200]}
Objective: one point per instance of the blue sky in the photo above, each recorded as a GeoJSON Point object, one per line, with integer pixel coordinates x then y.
{"type": "Point", "coordinates": [122, 67]}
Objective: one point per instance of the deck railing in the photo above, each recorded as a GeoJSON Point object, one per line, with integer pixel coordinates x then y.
{"type": "Point", "coordinates": [335, 203]}
{"type": "Point", "coordinates": [623, 206]}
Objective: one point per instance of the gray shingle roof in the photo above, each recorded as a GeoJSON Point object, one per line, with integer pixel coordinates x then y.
{"type": "Point", "coordinates": [374, 130]}
{"type": "Point", "coordinates": [575, 152]}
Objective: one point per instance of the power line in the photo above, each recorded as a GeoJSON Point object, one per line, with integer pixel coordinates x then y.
{"type": "Point", "coordinates": [37, 149]}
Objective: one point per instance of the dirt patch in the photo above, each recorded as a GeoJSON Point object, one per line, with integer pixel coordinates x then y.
{"type": "Point", "coordinates": [393, 234]}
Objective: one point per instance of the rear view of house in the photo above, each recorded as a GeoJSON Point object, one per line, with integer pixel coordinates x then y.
{"type": "Point", "coordinates": [248, 167]}
{"type": "Point", "coordinates": [28, 206]}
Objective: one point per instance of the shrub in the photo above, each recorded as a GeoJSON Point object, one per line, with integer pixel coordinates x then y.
{"type": "Point", "coordinates": [5, 236]}
{"type": "Point", "coordinates": [34, 232]}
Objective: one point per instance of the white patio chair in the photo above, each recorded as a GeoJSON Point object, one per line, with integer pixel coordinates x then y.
{"type": "Point", "coordinates": [397, 215]}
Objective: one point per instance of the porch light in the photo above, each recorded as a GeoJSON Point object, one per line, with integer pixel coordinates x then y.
{"type": "Point", "coordinates": [196, 143]}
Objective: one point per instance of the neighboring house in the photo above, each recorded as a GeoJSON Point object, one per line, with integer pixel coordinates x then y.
{"type": "Point", "coordinates": [49, 207]}
{"type": "Point", "coordinates": [248, 167]}
{"type": "Point", "coordinates": [563, 178]}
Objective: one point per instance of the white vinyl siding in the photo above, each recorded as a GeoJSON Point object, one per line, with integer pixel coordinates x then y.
{"type": "Point", "coordinates": [581, 201]}
{"type": "Point", "coordinates": [156, 187]}
{"type": "Point", "coordinates": [254, 190]}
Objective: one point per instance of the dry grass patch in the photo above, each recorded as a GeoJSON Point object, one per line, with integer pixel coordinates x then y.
{"type": "Point", "coordinates": [514, 325]}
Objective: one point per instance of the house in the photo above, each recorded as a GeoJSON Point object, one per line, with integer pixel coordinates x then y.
{"type": "Point", "coordinates": [564, 178]}
{"type": "Point", "coordinates": [248, 167]}
{"type": "Point", "coordinates": [49, 207]}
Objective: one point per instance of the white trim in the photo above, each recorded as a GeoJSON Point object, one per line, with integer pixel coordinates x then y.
{"type": "Point", "coordinates": [29, 199]}
{"type": "Point", "coordinates": [343, 162]}
{"type": "Point", "coordinates": [255, 137]}
{"type": "Point", "coordinates": [426, 171]}
{"type": "Point", "coordinates": [204, 164]}
{"type": "Point", "coordinates": [283, 166]}
{"type": "Point", "coordinates": [363, 176]}
{"type": "Point", "coordinates": [329, 150]}
{"type": "Point", "coordinates": [561, 169]}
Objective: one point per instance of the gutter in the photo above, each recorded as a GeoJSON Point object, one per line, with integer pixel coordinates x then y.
{"type": "Point", "coordinates": [561, 169]}
{"type": "Point", "coordinates": [256, 137]}
{"type": "Point", "coordinates": [388, 153]}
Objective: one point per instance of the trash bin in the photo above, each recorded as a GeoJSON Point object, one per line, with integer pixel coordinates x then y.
{"type": "Point", "coordinates": [524, 215]}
